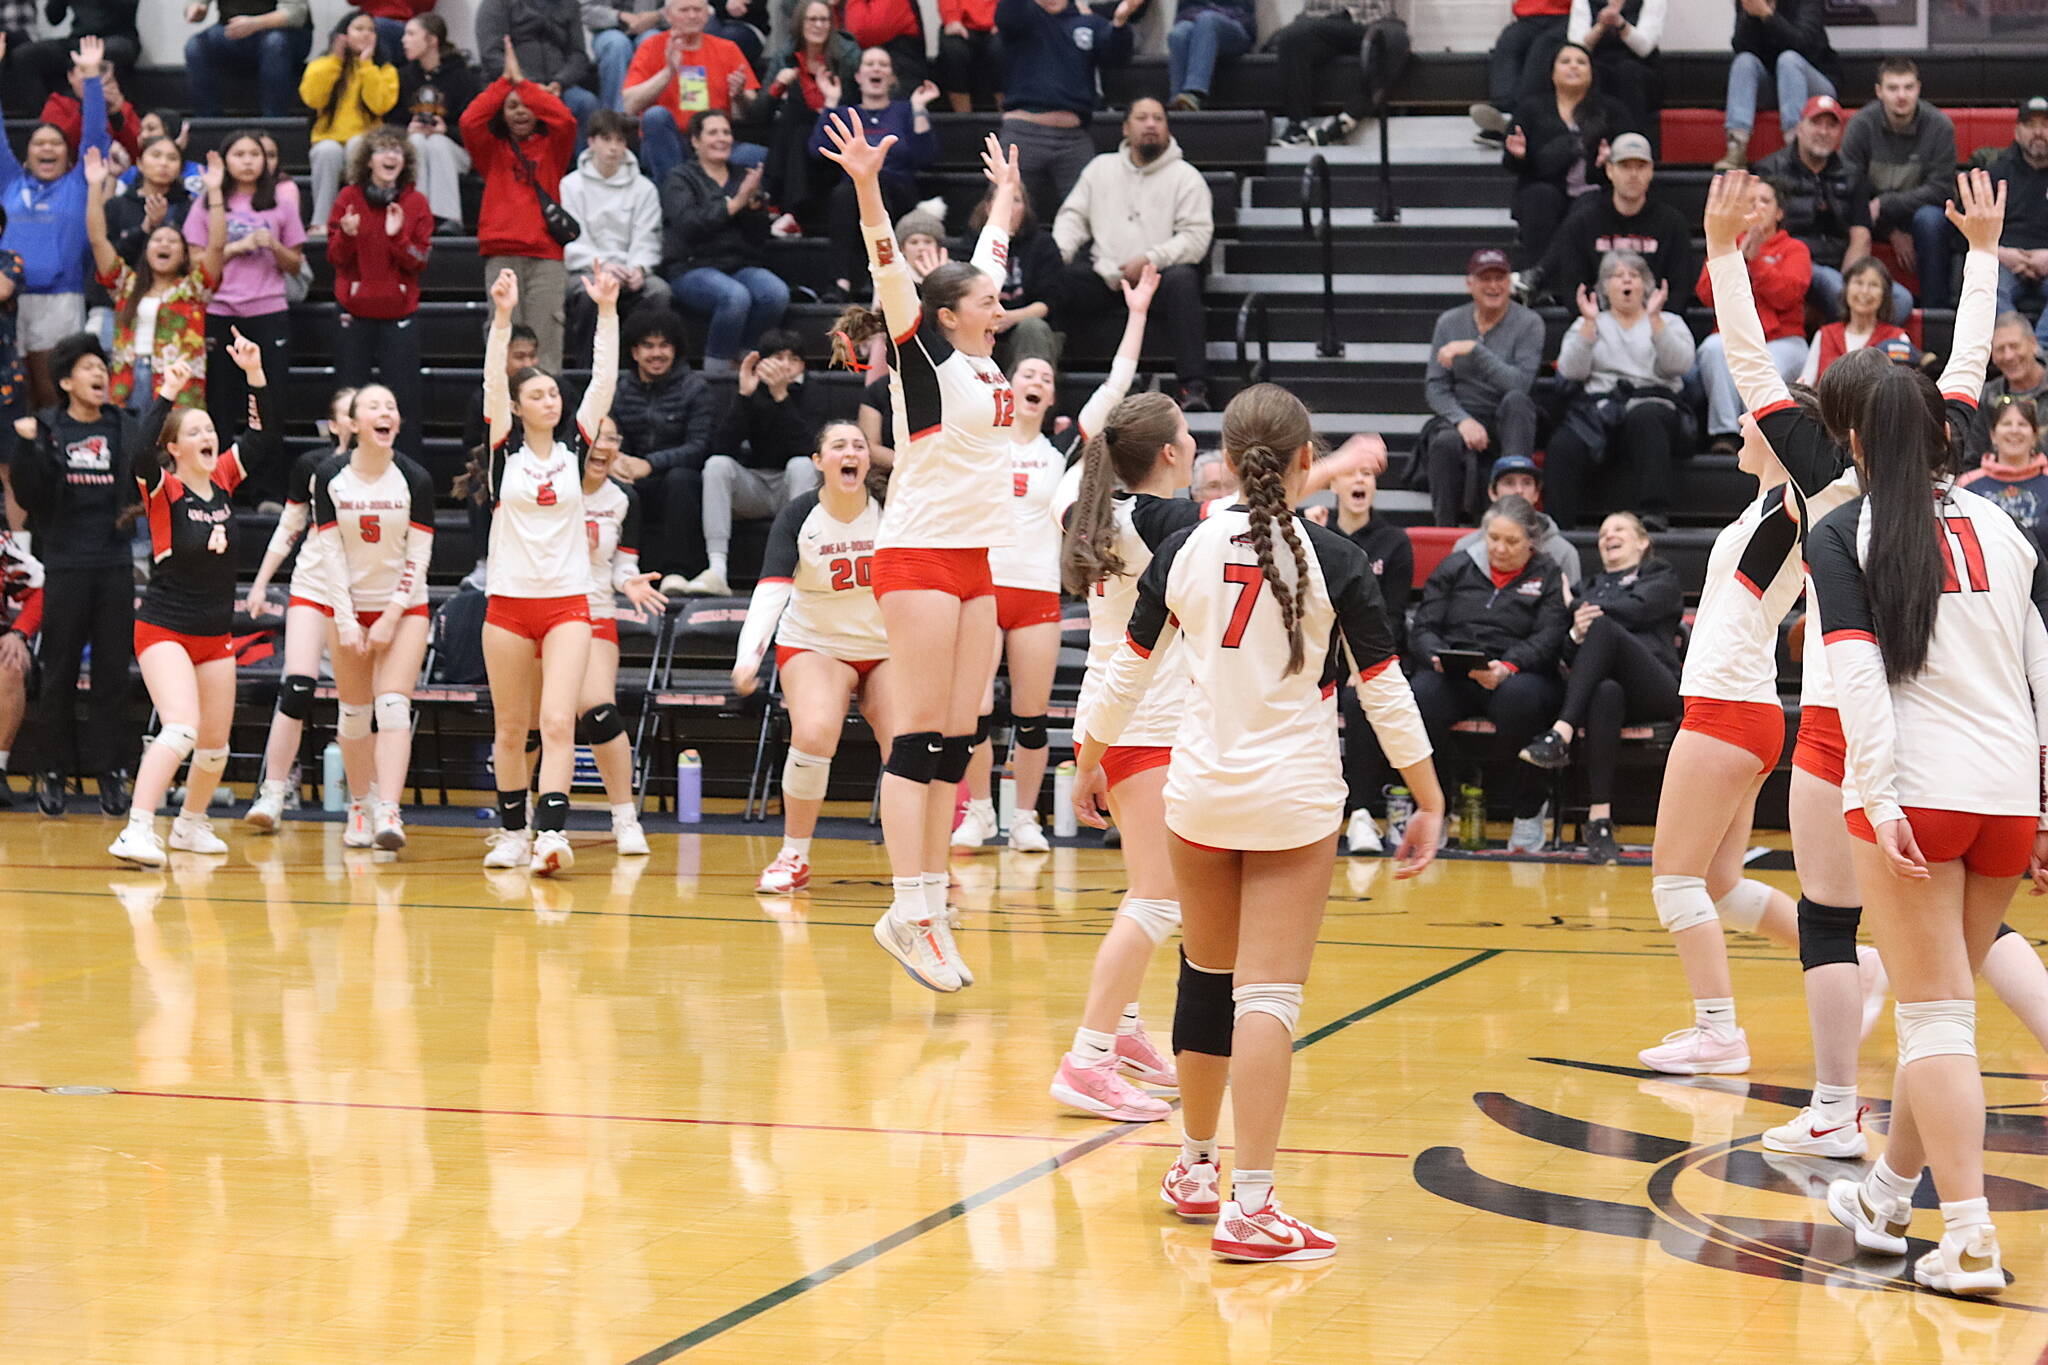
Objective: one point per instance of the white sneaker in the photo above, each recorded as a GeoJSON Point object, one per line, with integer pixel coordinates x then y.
{"type": "Point", "coordinates": [942, 929]}
{"type": "Point", "coordinates": [1881, 1229]}
{"type": "Point", "coordinates": [194, 834]}
{"type": "Point", "coordinates": [710, 583]}
{"type": "Point", "coordinates": [551, 853]}
{"type": "Point", "coordinates": [1362, 835]}
{"type": "Point", "coordinates": [389, 829]}
{"type": "Point", "coordinates": [674, 585]}
{"type": "Point", "coordinates": [1530, 833]}
{"type": "Point", "coordinates": [507, 849]}
{"type": "Point", "coordinates": [1267, 1234]}
{"type": "Point", "coordinates": [355, 830]}
{"type": "Point", "coordinates": [138, 844]}
{"type": "Point", "coordinates": [268, 808]}
{"type": "Point", "coordinates": [916, 944]}
{"type": "Point", "coordinates": [1025, 835]}
{"type": "Point", "coordinates": [1809, 1134]}
{"type": "Point", "coordinates": [1966, 1264]}
{"type": "Point", "coordinates": [631, 839]}
{"type": "Point", "coordinates": [788, 874]}
{"type": "Point", "coordinates": [977, 827]}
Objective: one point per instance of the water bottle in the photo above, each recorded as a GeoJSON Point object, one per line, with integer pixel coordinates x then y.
{"type": "Point", "coordinates": [689, 787]}
{"type": "Point", "coordinates": [1471, 816]}
{"type": "Point", "coordinates": [333, 784]}
{"type": "Point", "coordinates": [1064, 823]}
{"type": "Point", "coordinates": [1400, 806]}
{"type": "Point", "coordinates": [1006, 804]}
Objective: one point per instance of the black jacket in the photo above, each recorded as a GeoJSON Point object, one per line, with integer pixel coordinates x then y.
{"type": "Point", "coordinates": [1646, 601]}
{"type": "Point", "coordinates": [698, 231]}
{"type": "Point", "coordinates": [126, 215]}
{"type": "Point", "coordinates": [2026, 201]}
{"type": "Point", "coordinates": [74, 509]}
{"type": "Point", "coordinates": [1392, 558]}
{"type": "Point", "coordinates": [102, 18]}
{"type": "Point", "coordinates": [1553, 147]}
{"type": "Point", "coordinates": [1034, 270]}
{"type": "Point", "coordinates": [763, 434]}
{"type": "Point", "coordinates": [1523, 625]}
{"type": "Point", "coordinates": [669, 422]}
{"type": "Point", "coordinates": [1660, 234]}
{"type": "Point", "coordinates": [1794, 26]}
{"type": "Point", "coordinates": [1821, 207]}
{"type": "Point", "coordinates": [455, 82]}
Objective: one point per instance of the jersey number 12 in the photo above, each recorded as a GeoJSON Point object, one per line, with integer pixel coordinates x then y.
{"type": "Point", "coordinates": [1249, 580]}
{"type": "Point", "coordinates": [1965, 533]}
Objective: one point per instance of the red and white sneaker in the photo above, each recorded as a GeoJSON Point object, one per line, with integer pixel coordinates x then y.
{"type": "Point", "coordinates": [1098, 1090]}
{"type": "Point", "coordinates": [355, 833]}
{"type": "Point", "coordinates": [789, 872]}
{"type": "Point", "coordinates": [1699, 1052]}
{"type": "Point", "coordinates": [1192, 1192]}
{"type": "Point", "coordinates": [1137, 1057]}
{"type": "Point", "coordinates": [1809, 1134]}
{"type": "Point", "coordinates": [1268, 1235]}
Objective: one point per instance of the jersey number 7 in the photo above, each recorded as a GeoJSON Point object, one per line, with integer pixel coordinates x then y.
{"type": "Point", "coordinates": [1249, 579]}
{"type": "Point", "coordinates": [1965, 533]}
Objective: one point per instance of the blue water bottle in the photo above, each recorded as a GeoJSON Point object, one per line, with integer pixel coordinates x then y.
{"type": "Point", "coordinates": [333, 784]}
{"type": "Point", "coordinates": [689, 787]}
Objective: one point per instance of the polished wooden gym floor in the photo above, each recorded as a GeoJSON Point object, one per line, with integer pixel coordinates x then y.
{"type": "Point", "coordinates": [366, 1110]}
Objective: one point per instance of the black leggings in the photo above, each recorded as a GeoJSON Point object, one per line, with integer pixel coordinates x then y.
{"type": "Point", "coordinates": [1640, 462]}
{"type": "Point", "coordinates": [82, 606]}
{"type": "Point", "coordinates": [1521, 707]}
{"type": "Point", "coordinates": [1616, 680]}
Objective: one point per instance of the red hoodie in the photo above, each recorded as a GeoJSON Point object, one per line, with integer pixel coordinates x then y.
{"type": "Point", "coordinates": [1778, 277]}
{"type": "Point", "coordinates": [377, 275]}
{"type": "Point", "coordinates": [64, 113]}
{"type": "Point", "coordinates": [509, 223]}
{"type": "Point", "coordinates": [400, 10]}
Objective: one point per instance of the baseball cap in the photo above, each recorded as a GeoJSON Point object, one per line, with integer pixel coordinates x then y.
{"type": "Point", "coordinates": [1514, 464]}
{"type": "Point", "coordinates": [1630, 147]}
{"type": "Point", "coordinates": [1899, 351]}
{"type": "Point", "coordinates": [1487, 259]}
{"type": "Point", "coordinates": [1822, 104]}
{"type": "Point", "coordinates": [2036, 107]}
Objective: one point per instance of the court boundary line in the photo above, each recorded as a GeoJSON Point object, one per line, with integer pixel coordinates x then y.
{"type": "Point", "coordinates": [960, 1208]}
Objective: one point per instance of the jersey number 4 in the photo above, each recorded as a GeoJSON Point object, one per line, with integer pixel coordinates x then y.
{"type": "Point", "coordinates": [1249, 580]}
{"type": "Point", "coordinates": [1964, 532]}
{"type": "Point", "coordinates": [852, 573]}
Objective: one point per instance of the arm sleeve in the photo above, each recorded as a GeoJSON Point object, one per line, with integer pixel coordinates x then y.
{"type": "Point", "coordinates": [149, 471]}
{"type": "Point", "coordinates": [604, 375]}
{"type": "Point", "coordinates": [93, 131]}
{"type": "Point", "coordinates": [1854, 661]}
{"type": "Point", "coordinates": [596, 17]}
{"type": "Point", "coordinates": [380, 88]}
{"type": "Point", "coordinates": [328, 583]}
{"type": "Point", "coordinates": [764, 612]}
{"type": "Point", "coordinates": [894, 289]}
{"type": "Point", "coordinates": [626, 560]}
{"type": "Point", "coordinates": [419, 536]}
{"type": "Point", "coordinates": [2037, 671]}
{"type": "Point", "coordinates": [1976, 312]}
{"type": "Point", "coordinates": [316, 83]}
{"type": "Point", "coordinates": [1580, 26]}
{"type": "Point", "coordinates": [1742, 334]}
{"type": "Point", "coordinates": [1151, 629]}
{"type": "Point", "coordinates": [645, 247]}
{"type": "Point", "coordinates": [260, 444]}
{"type": "Point", "coordinates": [475, 124]}
{"type": "Point", "coordinates": [1397, 585]}
{"type": "Point", "coordinates": [291, 524]}
{"type": "Point", "coordinates": [1649, 29]}
{"type": "Point", "coordinates": [992, 254]}
{"type": "Point", "coordinates": [1070, 224]}
{"type": "Point", "coordinates": [497, 386]}
{"type": "Point", "coordinates": [1382, 687]}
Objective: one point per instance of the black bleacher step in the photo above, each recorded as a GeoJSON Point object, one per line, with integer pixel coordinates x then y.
{"type": "Point", "coordinates": [1395, 252]}
{"type": "Point", "coordinates": [962, 190]}
{"type": "Point", "coordinates": [1356, 186]}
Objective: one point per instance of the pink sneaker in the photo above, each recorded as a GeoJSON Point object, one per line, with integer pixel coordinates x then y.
{"type": "Point", "coordinates": [1699, 1052]}
{"type": "Point", "coordinates": [1098, 1090]}
{"type": "Point", "coordinates": [1136, 1056]}
{"type": "Point", "coordinates": [1191, 1191]}
{"type": "Point", "coordinates": [1268, 1235]}
{"type": "Point", "coordinates": [786, 874]}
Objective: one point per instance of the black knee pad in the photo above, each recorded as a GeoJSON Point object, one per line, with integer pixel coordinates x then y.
{"type": "Point", "coordinates": [1030, 732]}
{"type": "Point", "coordinates": [915, 757]}
{"type": "Point", "coordinates": [982, 727]}
{"type": "Point", "coordinates": [954, 751]}
{"type": "Point", "coordinates": [295, 696]}
{"type": "Point", "coordinates": [1204, 1014]}
{"type": "Point", "coordinates": [600, 724]}
{"type": "Point", "coordinates": [1827, 933]}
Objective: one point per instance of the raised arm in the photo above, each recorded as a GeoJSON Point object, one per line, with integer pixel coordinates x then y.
{"type": "Point", "coordinates": [862, 161]}
{"type": "Point", "coordinates": [497, 389]}
{"type": "Point", "coordinates": [99, 189]}
{"type": "Point", "coordinates": [992, 251]}
{"type": "Point", "coordinates": [1124, 368]}
{"type": "Point", "coordinates": [603, 288]}
{"type": "Point", "coordinates": [213, 256]}
{"type": "Point", "coordinates": [1742, 331]}
{"type": "Point", "coordinates": [1978, 212]}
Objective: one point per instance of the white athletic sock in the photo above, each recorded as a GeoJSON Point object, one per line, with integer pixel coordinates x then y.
{"type": "Point", "coordinates": [1193, 1149]}
{"type": "Point", "coordinates": [1836, 1101]}
{"type": "Point", "coordinates": [1890, 1184]}
{"type": "Point", "coordinates": [1963, 1215]}
{"type": "Point", "coordinates": [1718, 1015]}
{"type": "Point", "coordinates": [801, 848]}
{"type": "Point", "coordinates": [1128, 1024]}
{"type": "Point", "coordinates": [138, 818]}
{"type": "Point", "coordinates": [5, 754]}
{"type": "Point", "coordinates": [1091, 1047]}
{"type": "Point", "coordinates": [908, 903]}
{"type": "Point", "coordinates": [625, 813]}
{"type": "Point", "coordinates": [718, 561]}
{"type": "Point", "coordinates": [1251, 1189]}
{"type": "Point", "coordinates": [986, 808]}
{"type": "Point", "coordinates": [935, 886]}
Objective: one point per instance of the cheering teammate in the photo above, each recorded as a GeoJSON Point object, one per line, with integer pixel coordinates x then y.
{"type": "Point", "coordinates": [1260, 616]}
{"type": "Point", "coordinates": [814, 600]}
{"type": "Point", "coordinates": [187, 616]}
{"type": "Point", "coordinates": [537, 626]}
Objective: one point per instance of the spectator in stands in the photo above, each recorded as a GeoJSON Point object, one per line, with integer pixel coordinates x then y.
{"type": "Point", "coordinates": [892, 25]}
{"type": "Point", "coordinates": [620, 211]}
{"type": "Point", "coordinates": [1033, 276]}
{"type": "Point", "coordinates": [160, 300]}
{"type": "Point", "coordinates": [1623, 39]}
{"type": "Point", "coordinates": [21, 601]}
{"type": "Point", "coordinates": [1392, 560]}
{"type": "Point", "coordinates": [166, 125]}
{"type": "Point", "coordinates": [768, 422]}
{"type": "Point", "coordinates": [378, 239]}
{"type": "Point", "coordinates": [2014, 472]}
{"type": "Point", "coordinates": [680, 73]}
{"type": "Point", "coordinates": [1779, 271]}
{"type": "Point", "coordinates": [970, 61]}
{"type": "Point", "coordinates": [713, 256]}
{"type": "Point", "coordinates": [2023, 250]}
{"type": "Point", "coordinates": [666, 416]}
{"type": "Point", "coordinates": [1205, 34]}
{"type": "Point", "coordinates": [159, 195]}
{"type": "Point", "coordinates": [434, 86]}
{"type": "Point", "coordinates": [744, 24]}
{"type": "Point", "coordinates": [2022, 372]}
{"type": "Point", "coordinates": [391, 17]}
{"type": "Point", "coordinates": [1502, 601]}
{"type": "Point", "coordinates": [615, 34]}
{"type": "Point", "coordinates": [1826, 205]}
{"type": "Point", "coordinates": [349, 92]}
{"type": "Point", "coordinates": [1559, 148]}
{"type": "Point", "coordinates": [1053, 52]}
{"type": "Point", "coordinates": [1867, 294]}
{"type": "Point", "coordinates": [13, 376]}
{"type": "Point", "coordinates": [1624, 219]}
{"type": "Point", "coordinates": [1517, 476]}
{"type": "Point", "coordinates": [65, 110]}
{"type": "Point", "coordinates": [271, 37]}
{"type": "Point", "coordinates": [1515, 66]}
{"type": "Point", "coordinates": [1142, 202]}
{"type": "Point", "coordinates": [1325, 30]}
{"type": "Point", "coordinates": [523, 352]}
{"type": "Point", "coordinates": [1213, 478]}
{"type": "Point", "coordinates": [1781, 44]}
{"type": "Point", "coordinates": [1905, 149]}
{"type": "Point", "coordinates": [1483, 357]}
{"type": "Point", "coordinates": [1623, 653]}
{"type": "Point", "coordinates": [298, 284]}
{"type": "Point", "coordinates": [520, 138]}
{"type": "Point", "coordinates": [815, 48]}
{"type": "Point", "coordinates": [111, 21]}
{"type": "Point", "coordinates": [909, 121]}
{"type": "Point", "coordinates": [1627, 427]}
{"type": "Point", "coordinates": [546, 36]}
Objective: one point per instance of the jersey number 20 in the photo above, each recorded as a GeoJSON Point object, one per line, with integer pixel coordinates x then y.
{"type": "Point", "coordinates": [1249, 580]}
{"type": "Point", "coordinates": [1965, 534]}
{"type": "Point", "coordinates": [849, 573]}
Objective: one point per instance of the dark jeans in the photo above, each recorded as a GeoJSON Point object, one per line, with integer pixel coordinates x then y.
{"type": "Point", "coordinates": [842, 217]}
{"type": "Point", "coordinates": [1457, 473]}
{"type": "Point", "coordinates": [1313, 40]}
{"type": "Point", "coordinates": [677, 495]}
{"type": "Point", "coordinates": [1615, 681]}
{"type": "Point", "coordinates": [745, 36]}
{"type": "Point", "coordinates": [1640, 465]}
{"type": "Point", "coordinates": [276, 54]}
{"type": "Point", "coordinates": [1521, 57]}
{"type": "Point", "coordinates": [50, 61]}
{"type": "Point", "coordinates": [390, 349]}
{"type": "Point", "coordinates": [1051, 160]}
{"type": "Point", "coordinates": [80, 607]}
{"type": "Point", "coordinates": [1637, 82]}
{"type": "Point", "coordinates": [1519, 708]}
{"type": "Point", "coordinates": [1176, 312]}
{"type": "Point", "coordinates": [971, 66]}
{"type": "Point", "coordinates": [227, 392]}
{"type": "Point", "coordinates": [1540, 207]}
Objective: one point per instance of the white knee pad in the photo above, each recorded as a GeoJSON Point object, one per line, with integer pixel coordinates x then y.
{"type": "Point", "coordinates": [806, 776]}
{"type": "Point", "coordinates": [179, 739]}
{"type": "Point", "coordinates": [1158, 918]}
{"type": "Point", "coordinates": [1281, 999]}
{"type": "Point", "coordinates": [208, 761]}
{"type": "Point", "coordinates": [1936, 1028]}
{"type": "Point", "coordinates": [1682, 902]}
{"type": "Point", "coordinates": [355, 720]}
{"type": "Point", "coordinates": [394, 713]}
{"type": "Point", "coordinates": [1743, 908]}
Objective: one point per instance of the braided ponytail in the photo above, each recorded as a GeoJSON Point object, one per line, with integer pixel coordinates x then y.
{"type": "Point", "coordinates": [1264, 427]}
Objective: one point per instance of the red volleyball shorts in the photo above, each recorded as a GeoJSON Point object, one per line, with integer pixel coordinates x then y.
{"type": "Point", "coordinates": [1121, 761]}
{"type": "Point", "coordinates": [957, 573]}
{"type": "Point", "coordinates": [605, 628]}
{"type": "Point", "coordinates": [365, 618]}
{"type": "Point", "coordinates": [1753, 725]}
{"type": "Point", "coordinates": [783, 654]}
{"type": "Point", "coordinates": [534, 617]}
{"type": "Point", "coordinates": [1020, 607]}
{"type": "Point", "coordinates": [1821, 749]}
{"type": "Point", "coordinates": [1989, 845]}
{"type": "Point", "coordinates": [200, 649]}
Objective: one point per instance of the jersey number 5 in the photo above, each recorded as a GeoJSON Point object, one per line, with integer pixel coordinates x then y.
{"type": "Point", "coordinates": [849, 573]}
{"type": "Point", "coordinates": [1249, 580]}
{"type": "Point", "coordinates": [1965, 534]}
{"type": "Point", "coordinates": [372, 532]}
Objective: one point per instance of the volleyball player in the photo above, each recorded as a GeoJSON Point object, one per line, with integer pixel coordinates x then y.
{"type": "Point", "coordinates": [1026, 573]}
{"type": "Point", "coordinates": [1932, 612]}
{"type": "Point", "coordinates": [187, 616]}
{"type": "Point", "coordinates": [537, 625]}
{"type": "Point", "coordinates": [815, 601]}
{"type": "Point", "coordinates": [1259, 617]}
{"type": "Point", "coordinates": [611, 511]}
{"type": "Point", "coordinates": [949, 501]}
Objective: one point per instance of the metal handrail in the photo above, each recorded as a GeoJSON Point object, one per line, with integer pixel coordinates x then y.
{"type": "Point", "coordinates": [1315, 186]}
{"type": "Point", "coordinates": [1388, 211]}
{"type": "Point", "coordinates": [1254, 306]}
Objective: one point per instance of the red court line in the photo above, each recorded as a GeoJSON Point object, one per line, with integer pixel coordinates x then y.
{"type": "Point", "coordinates": [657, 1118]}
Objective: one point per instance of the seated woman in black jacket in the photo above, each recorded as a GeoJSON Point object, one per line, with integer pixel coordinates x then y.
{"type": "Point", "coordinates": [1623, 652]}
{"type": "Point", "coordinates": [714, 239]}
{"type": "Point", "coordinates": [1558, 147]}
{"type": "Point", "coordinates": [1503, 603]}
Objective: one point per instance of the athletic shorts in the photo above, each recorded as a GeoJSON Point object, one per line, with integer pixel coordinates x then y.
{"type": "Point", "coordinates": [200, 649]}
{"type": "Point", "coordinates": [1821, 749]}
{"type": "Point", "coordinates": [1753, 725]}
{"type": "Point", "coordinates": [604, 628]}
{"type": "Point", "coordinates": [365, 619]}
{"type": "Point", "coordinates": [1121, 761]}
{"type": "Point", "coordinates": [783, 654]}
{"type": "Point", "coordinates": [957, 573]}
{"type": "Point", "coordinates": [1989, 845]}
{"type": "Point", "coordinates": [534, 617]}
{"type": "Point", "coordinates": [1020, 607]}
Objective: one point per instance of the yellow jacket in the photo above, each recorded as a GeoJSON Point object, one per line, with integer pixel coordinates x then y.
{"type": "Point", "coordinates": [371, 91]}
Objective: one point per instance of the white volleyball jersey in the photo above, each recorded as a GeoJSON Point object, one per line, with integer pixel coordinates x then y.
{"type": "Point", "coordinates": [307, 579]}
{"type": "Point", "coordinates": [539, 544]}
{"type": "Point", "coordinates": [1032, 558]}
{"type": "Point", "coordinates": [815, 591]}
{"type": "Point", "coordinates": [1970, 732]}
{"type": "Point", "coordinates": [1255, 762]}
{"type": "Point", "coordinates": [950, 488]}
{"type": "Point", "coordinates": [376, 534]}
{"type": "Point", "coordinates": [611, 529]}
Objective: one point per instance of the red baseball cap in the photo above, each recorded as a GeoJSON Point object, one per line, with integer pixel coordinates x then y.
{"type": "Point", "coordinates": [1822, 104]}
{"type": "Point", "coordinates": [1486, 260]}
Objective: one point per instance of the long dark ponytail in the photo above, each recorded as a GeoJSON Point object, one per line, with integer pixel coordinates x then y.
{"type": "Point", "coordinates": [1263, 428]}
{"type": "Point", "coordinates": [1124, 451]}
{"type": "Point", "coordinates": [1903, 571]}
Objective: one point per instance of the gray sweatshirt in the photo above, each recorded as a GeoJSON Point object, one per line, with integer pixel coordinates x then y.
{"type": "Point", "coordinates": [1503, 362]}
{"type": "Point", "coordinates": [1908, 170]}
{"type": "Point", "coordinates": [1620, 354]}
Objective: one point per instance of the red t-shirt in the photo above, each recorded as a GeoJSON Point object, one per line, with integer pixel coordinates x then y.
{"type": "Point", "coordinates": [701, 83]}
